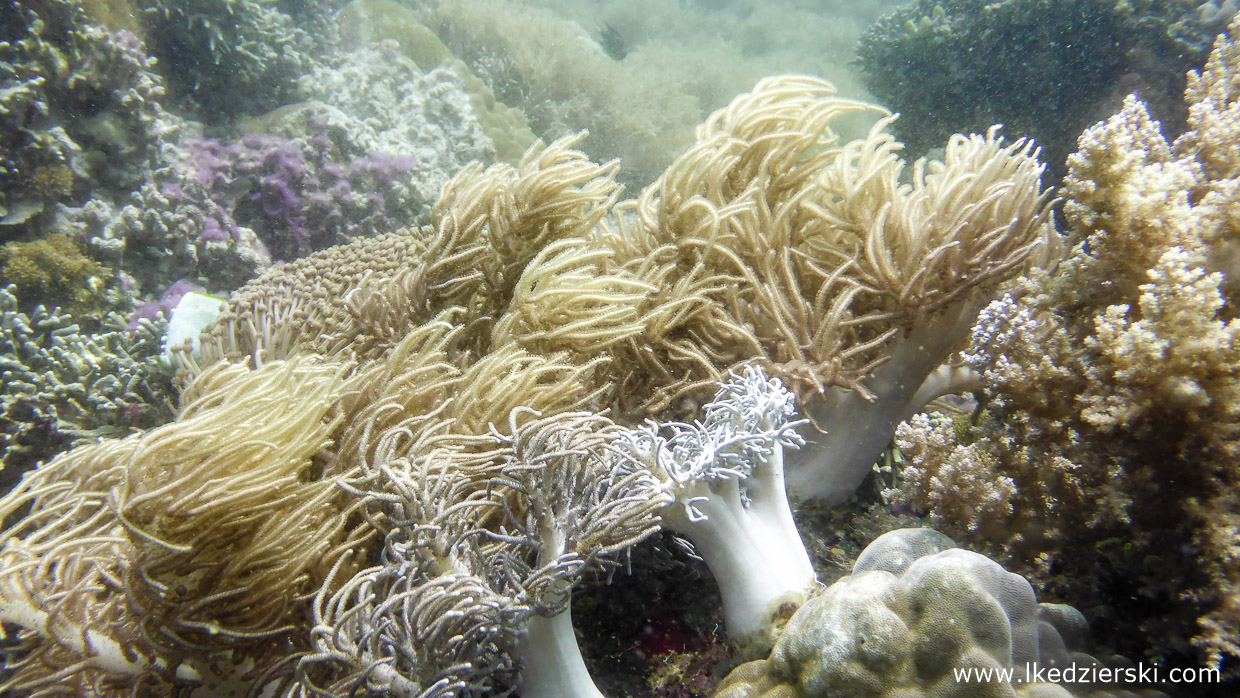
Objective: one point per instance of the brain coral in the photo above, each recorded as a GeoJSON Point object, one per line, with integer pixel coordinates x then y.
{"type": "Point", "coordinates": [915, 613]}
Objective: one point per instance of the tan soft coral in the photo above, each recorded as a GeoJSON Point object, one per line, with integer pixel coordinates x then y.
{"type": "Point", "coordinates": [1112, 398]}
{"type": "Point", "coordinates": [208, 533]}
{"type": "Point", "coordinates": [533, 295]}
{"type": "Point", "coordinates": [828, 267]}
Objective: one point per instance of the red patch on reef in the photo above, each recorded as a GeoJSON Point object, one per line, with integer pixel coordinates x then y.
{"type": "Point", "coordinates": [665, 632]}
{"type": "Point", "coordinates": [682, 661]}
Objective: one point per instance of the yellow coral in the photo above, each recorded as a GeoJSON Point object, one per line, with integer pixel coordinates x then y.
{"type": "Point", "coordinates": [53, 271]}
{"type": "Point", "coordinates": [51, 182]}
{"type": "Point", "coordinates": [114, 14]}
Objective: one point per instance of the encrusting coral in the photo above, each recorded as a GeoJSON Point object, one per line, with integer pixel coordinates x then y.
{"type": "Point", "coordinates": [1104, 460]}
{"type": "Point", "coordinates": [469, 395]}
{"type": "Point", "coordinates": [54, 270]}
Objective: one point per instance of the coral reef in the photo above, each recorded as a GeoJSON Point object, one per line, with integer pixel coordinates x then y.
{"type": "Point", "coordinates": [78, 108]}
{"type": "Point", "coordinates": [55, 271]}
{"type": "Point", "coordinates": [379, 102]}
{"type": "Point", "coordinates": [162, 308]}
{"type": "Point", "coordinates": [1103, 464]}
{"type": "Point", "coordinates": [232, 57]}
{"type": "Point", "coordinates": [916, 613]}
{"type": "Point", "coordinates": [295, 201]}
{"type": "Point", "coordinates": [63, 385]}
{"type": "Point", "coordinates": [396, 458]}
{"type": "Point", "coordinates": [1045, 70]}
{"type": "Point", "coordinates": [457, 395]}
{"type": "Point", "coordinates": [367, 158]}
{"type": "Point", "coordinates": [361, 144]}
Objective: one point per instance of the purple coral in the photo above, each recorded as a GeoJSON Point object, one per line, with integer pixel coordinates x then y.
{"type": "Point", "coordinates": [294, 195]}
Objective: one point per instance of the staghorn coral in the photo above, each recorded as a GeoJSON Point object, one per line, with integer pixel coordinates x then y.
{"type": "Point", "coordinates": [1105, 457]}
{"type": "Point", "coordinates": [65, 385]}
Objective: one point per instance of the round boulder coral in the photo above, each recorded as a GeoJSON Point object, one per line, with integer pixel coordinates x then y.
{"type": "Point", "coordinates": [920, 618]}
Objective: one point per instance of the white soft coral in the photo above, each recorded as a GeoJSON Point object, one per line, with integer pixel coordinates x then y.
{"type": "Point", "coordinates": [726, 474]}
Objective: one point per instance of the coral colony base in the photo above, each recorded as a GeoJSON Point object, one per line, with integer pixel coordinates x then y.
{"type": "Point", "coordinates": [395, 459]}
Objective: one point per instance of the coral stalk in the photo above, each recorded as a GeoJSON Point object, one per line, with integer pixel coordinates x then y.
{"type": "Point", "coordinates": [551, 662]}
{"type": "Point", "coordinates": [726, 476]}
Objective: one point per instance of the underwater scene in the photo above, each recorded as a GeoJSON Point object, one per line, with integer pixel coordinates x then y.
{"type": "Point", "coordinates": [623, 349]}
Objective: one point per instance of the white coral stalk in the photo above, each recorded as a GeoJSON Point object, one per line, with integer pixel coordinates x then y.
{"type": "Point", "coordinates": [852, 429]}
{"type": "Point", "coordinates": [552, 664]}
{"type": "Point", "coordinates": [726, 476]}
